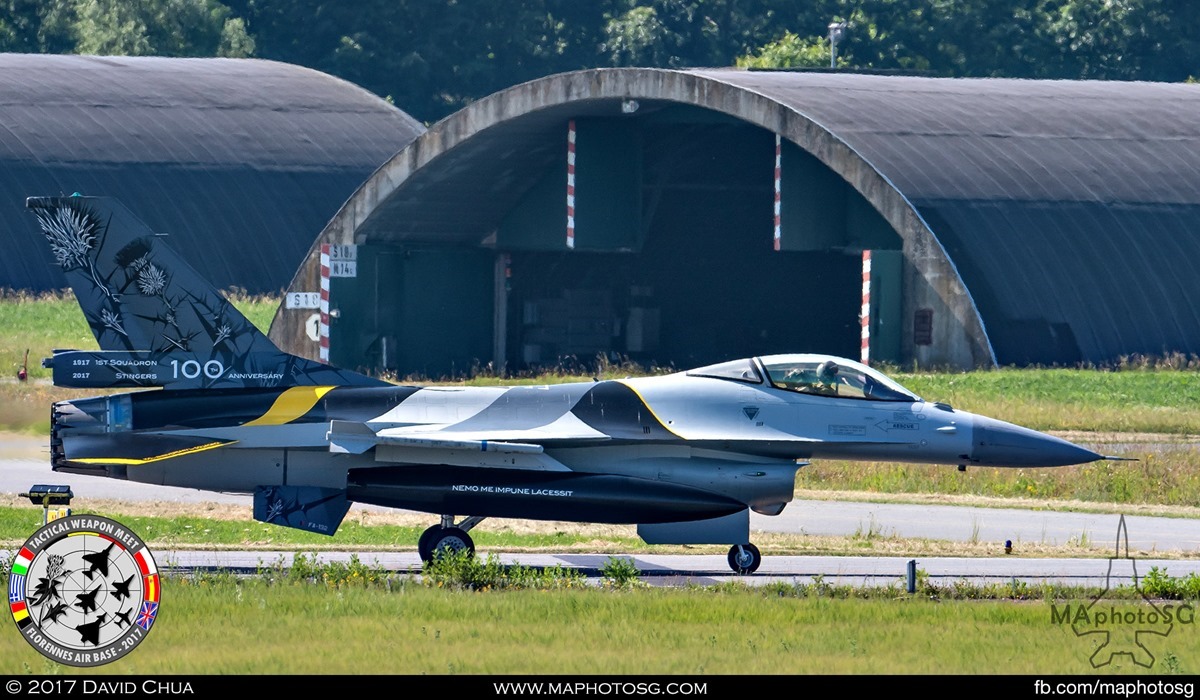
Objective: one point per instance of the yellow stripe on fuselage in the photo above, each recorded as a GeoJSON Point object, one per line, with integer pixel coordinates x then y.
{"type": "Point", "coordinates": [156, 458]}
{"type": "Point", "coordinates": [646, 403]}
{"type": "Point", "coordinates": [291, 404]}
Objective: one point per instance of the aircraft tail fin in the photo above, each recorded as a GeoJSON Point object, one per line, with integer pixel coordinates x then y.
{"type": "Point", "coordinates": [150, 311]}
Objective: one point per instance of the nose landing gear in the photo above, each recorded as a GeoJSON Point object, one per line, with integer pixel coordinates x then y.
{"type": "Point", "coordinates": [744, 558]}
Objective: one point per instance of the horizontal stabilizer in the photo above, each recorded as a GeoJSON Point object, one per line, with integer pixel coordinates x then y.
{"type": "Point", "coordinates": [83, 369]}
{"type": "Point", "coordinates": [302, 507]}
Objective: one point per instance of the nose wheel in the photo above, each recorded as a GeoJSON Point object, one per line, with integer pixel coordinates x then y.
{"type": "Point", "coordinates": [744, 558]}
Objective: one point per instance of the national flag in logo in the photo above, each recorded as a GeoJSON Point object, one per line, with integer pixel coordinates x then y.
{"type": "Point", "coordinates": [21, 614]}
{"type": "Point", "coordinates": [22, 562]}
{"type": "Point", "coordinates": [151, 587]}
{"type": "Point", "coordinates": [16, 588]}
{"type": "Point", "coordinates": [146, 617]}
{"type": "Point", "coordinates": [16, 600]}
{"type": "Point", "coordinates": [145, 563]}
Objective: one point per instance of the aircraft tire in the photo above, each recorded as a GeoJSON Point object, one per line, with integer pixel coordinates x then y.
{"type": "Point", "coordinates": [744, 558]}
{"type": "Point", "coordinates": [451, 539]}
{"type": "Point", "coordinates": [423, 544]}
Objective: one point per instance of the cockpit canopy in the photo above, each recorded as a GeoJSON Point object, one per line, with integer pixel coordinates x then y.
{"type": "Point", "coordinates": [823, 375]}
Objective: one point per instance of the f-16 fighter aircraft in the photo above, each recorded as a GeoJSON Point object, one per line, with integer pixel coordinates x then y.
{"type": "Point", "coordinates": [684, 456]}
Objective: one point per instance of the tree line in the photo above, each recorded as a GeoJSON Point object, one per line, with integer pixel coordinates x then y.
{"type": "Point", "coordinates": [432, 57]}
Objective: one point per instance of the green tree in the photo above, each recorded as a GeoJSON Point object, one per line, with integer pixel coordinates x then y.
{"type": "Point", "coordinates": [680, 33]}
{"type": "Point", "coordinates": [948, 37]}
{"type": "Point", "coordinates": [1107, 40]}
{"type": "Point", "coordinates": [33, 26]}
{"type": "Point", "coordinates": [430, 57]}
{"type": "Point", "coordinates": [639, 38]}
{"type": "Point", "coordinates": [791, 51]}
{"type": "Point", "coordinates": [158, 27]}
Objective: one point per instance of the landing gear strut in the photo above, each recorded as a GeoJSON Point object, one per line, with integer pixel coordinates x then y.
{"type": "Point", "coordinates": [447, 537]}
{"type": "Point", "coordinates": [744, 558]}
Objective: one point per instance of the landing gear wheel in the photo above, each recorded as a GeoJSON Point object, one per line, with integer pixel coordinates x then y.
{"type": "Point", "coordinates": [744, 558]}
{"type": "Point", "coordinates": [450, 539]}
{"type": "Point", "coordinates": [423, 544]}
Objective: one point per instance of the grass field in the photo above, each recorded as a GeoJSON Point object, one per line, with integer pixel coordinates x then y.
{"type": "Point", "coordinates": [41, 323]}
{"type": "Point", "coordinates": [353, 620]}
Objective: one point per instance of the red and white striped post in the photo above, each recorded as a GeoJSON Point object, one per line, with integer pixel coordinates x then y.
{"type": "Point", "coordinates": [866, 307]}
{"type": "Point", "coordinates": [324, 334]}
{"type": "Point", "coordinates": [778, 172]}
{"type": "Point", "coordinates": [571, 184]}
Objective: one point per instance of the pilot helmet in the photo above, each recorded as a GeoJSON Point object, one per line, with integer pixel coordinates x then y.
{"type": "Point", "coordinates": [828, 368]}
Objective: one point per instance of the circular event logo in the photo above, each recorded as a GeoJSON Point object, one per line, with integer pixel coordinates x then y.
{"type": "Point", "coordinates": [84, 590]}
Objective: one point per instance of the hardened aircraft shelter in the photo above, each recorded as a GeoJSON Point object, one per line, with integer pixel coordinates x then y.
{"type": "Point", "coordinates": [240, 161]}
{"type": "Point", "coordinates": [684, 217]}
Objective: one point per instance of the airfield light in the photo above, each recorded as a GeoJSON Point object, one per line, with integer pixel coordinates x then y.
{"type": "Point", "coordinates": [836, 31]}
{"type": "Point", "coordinates": [47, 495]}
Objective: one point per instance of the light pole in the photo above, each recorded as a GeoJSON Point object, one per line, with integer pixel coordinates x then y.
{"type": "Point", "coordinates": [836, 31]}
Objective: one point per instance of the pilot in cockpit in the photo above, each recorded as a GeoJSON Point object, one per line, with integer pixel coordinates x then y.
{"type": "Point", "coordinates": [827, 378]}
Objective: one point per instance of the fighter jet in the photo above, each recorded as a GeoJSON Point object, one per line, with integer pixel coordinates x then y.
{"type": "Point", "coordinates": [121, 588]}
{"type": "Point", "coordinates": [86, 601]}
{"type": "Point", "coordinates": [122, 618]}
{"type": "Point", "coordinates": [684, 456]}
{"type": "Point", "coordinates": [97, 561]}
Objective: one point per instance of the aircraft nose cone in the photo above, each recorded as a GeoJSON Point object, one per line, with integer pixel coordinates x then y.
{"type": "Point", "coordinates": [996, 443]}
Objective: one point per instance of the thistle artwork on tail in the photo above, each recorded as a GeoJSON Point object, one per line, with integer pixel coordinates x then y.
{"type": "Point", "coordinates": [158, 323]}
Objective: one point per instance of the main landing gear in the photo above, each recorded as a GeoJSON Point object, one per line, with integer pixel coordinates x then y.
{"type": "Point", "coordinates": [447, 537]}
{"type": "Point", "coordinates": [744, 558]}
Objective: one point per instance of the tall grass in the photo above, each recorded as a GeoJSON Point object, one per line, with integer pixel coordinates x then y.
{"type": "Point", "coordinates": [41, 323]}
{"type": "Point", "coordinates": [1159, 398]}
{"type": "Point", "coordinates": [1166, 475]}
{"type": "Point", "coordinates": [17, 522]}
{"type": "Point", "coordinates": [358, 625]}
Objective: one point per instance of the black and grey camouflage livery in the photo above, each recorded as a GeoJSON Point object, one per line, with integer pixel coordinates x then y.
{"type": "Point", "coordinates": [685, 456]}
